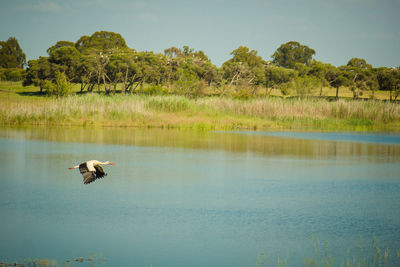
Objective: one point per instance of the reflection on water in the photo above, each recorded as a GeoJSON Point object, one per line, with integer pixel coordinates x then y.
{"type": "Point", "coordinates": [179, 198]}
{"type": "Point", "coordinates": [267, 144]}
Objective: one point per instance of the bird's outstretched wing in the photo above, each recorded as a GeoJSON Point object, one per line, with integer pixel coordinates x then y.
{"type": "Point", "coordinates": [99, 171]}
{"type": "Point", "coordinates": [88, 176]}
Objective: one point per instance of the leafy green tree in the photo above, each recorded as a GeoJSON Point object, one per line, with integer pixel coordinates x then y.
{"type": "Point", "coordinates": [360, 76]}
{"type": "Point", "coordinates": [11, 54]}
{"type": "Point", "coordinates": [38, 71]}
{"type": "Point", "coordinates": [68, 60]}
{"type": "Point", "coordinates": [305, 85]}
{"type": "Point", "coordinates": [359, 63]}
{"type": "Point", "coordinates": [186, 84]}
{"type": "Point", "coordinates": [189, 58]}
{"type": "Point", "coordinates": [278, 78]}
{"type": "Point", "coordinates": [101, 41]}
{"type": "Point", "coordinates": [336, 78]}
{"type": "Point", "coordinates": [389, 79]}
{"type": "Point", "coordinates": [60, 44]}
{"type": "Point", "coordinates": [245, 68]}
{"type": "Point", "coordinates": [290, 53]}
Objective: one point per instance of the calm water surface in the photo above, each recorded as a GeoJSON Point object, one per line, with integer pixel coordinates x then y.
{"type": "Point", "coordinates": [196, 199]}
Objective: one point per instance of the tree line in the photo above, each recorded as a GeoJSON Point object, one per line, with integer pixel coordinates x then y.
{"type": "Point", "coordinates": [104, 62]}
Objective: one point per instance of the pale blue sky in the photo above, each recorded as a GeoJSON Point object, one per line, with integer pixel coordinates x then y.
{"type": "Point", "coordinates": [336, 29]}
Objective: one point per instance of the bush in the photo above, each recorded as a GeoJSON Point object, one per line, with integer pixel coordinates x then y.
{"type": "Point", "coordinates": [154, 90]}
{"type": "Point", "coordinates": [60, 88]}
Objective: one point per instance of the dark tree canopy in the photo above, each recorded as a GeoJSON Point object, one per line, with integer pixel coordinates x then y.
{"type": "Point", "coordinates": [60, 44]}
{"type": "Point", "coordinates": [287, 55]}
{"type": "Point", "coordinates": [358, 63]}
{"type": "Point", "coordinates": [102, 41]}
{"type": "Point", "coordinates": [11, 54]}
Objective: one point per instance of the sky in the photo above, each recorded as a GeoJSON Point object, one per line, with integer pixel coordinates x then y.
{"type": "Point", "coordinates": [337, 30]}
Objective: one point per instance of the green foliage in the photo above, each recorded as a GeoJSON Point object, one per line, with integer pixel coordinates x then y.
{"type": "Point", "coordinates": [154, 90]}
{"type": "Point", "coordinates": [389, 79]}
{"type": "Point", "coordinates": [359, 63]}
{"type": "Point", "coordinates": [11, 54]}
{"type": "Point", "coordinates": [11, 74]}
{"type": "Point", "coordinates": [306, 85]}
{"type": "Point", "coordinates": [277, 77]}
{"type": "Point", "coordinates": [246, 68]}
{"type": "Point", "coordinates": [287, 55]}
{"type": "Point", "coordinates": [104, 61]}
{"type": "Point", "coordinates": [60, 87]}
{"type": "Point", "coordinates": [101, 41]}
{"type": "Point", "coordinates": [60, 44]}
{"type": "Point", "coordinates": [187, 83]}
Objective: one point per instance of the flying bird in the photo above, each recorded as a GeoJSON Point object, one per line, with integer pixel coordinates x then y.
{"type": "Point", "coordinates": [91, 170]}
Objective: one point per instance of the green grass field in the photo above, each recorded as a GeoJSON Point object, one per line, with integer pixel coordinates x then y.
{"type": "Point", "coordinates": [26, 106]}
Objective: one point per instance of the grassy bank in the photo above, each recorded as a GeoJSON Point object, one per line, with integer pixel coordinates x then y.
{"type": "Point", "coordinates": [207, 113]}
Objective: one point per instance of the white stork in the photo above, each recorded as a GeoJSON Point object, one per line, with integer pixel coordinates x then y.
{"type": "Point", "coordinates": [91, 170]}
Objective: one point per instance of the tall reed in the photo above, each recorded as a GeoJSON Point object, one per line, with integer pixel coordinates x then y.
{"type": "Point", "coordinates": [215, 112]}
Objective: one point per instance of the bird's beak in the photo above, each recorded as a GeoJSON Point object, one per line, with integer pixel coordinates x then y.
{"type": "Point", "coordinates": [71, 168]}
{"type": "Point", "coordinates": [112, 163]}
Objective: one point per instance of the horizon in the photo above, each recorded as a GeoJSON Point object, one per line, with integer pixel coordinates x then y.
{"type": "Point", "coordinates": [336, 31]}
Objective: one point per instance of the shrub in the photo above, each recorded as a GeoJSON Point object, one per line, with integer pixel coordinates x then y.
{"type": "Point", "coordinates": [154, 90]}
{"type": "Point", "coordinates": [61, 87]}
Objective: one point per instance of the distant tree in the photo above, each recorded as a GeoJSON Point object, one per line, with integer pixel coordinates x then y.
{"type": "Point", "coordinates": [361, 77]}
{"type": "Point", "coordinates": [336, 78]}
{"type": "Point", "coordinates": [287, 55]}
{"type": "Point", "coordinates": [101, 41]}
{"type": "Point", "coordinates": [305, 85]}
{"type": "Point", "coordinates": [389, 79]}
{"type": "Point", "coordinates": [359, 63]}
{"type": "Point", "coordinates": [39, 71]}
{"type": "Point", "coordinates": [278, 77]}
{"type": "Point", "coordinates": [11, 54]}
{"type": "Point", "coordinates": [60, 44]}
{"type": "Point", "coordinates": [68, 60]}
{"type": "Point", "coordinates": [189, 59]}
{"type": "Point", "coordinates": [244, 68]}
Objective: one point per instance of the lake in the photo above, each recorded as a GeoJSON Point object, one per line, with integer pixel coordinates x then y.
{"type": "Point", "coordinates": [184, 198]}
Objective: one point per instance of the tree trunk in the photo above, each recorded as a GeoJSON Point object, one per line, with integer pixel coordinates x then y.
{"type": "Point", "coordinates": [337, 93]}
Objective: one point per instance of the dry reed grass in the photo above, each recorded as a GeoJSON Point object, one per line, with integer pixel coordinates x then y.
{"type": "Point", "coordinates": [212, 112]}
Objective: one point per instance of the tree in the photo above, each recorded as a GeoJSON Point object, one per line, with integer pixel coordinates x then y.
{"type": "Point", "coordinates": [11, 54]}
{"type": "Point", "coordinates": [389, 79]}
{"type": "Point", "coordinates": [245, 68]}
{"type": "Point", "coordinates": [278, 78]}
{"type": "Point", "coordinates": [336, 78]}
{"type": "Point", "coordinates": [60, 44]}
{"type": "Point", "coordinates": [287, 55]}
{"type": "Point", "coordinates": [68, 60]}
{"type": "Point", "coordinates": [38, 71]}
{"type": "Point", "coordinates": [358, 63]}
{"type": "Point", "coordinates": [101, 41]}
